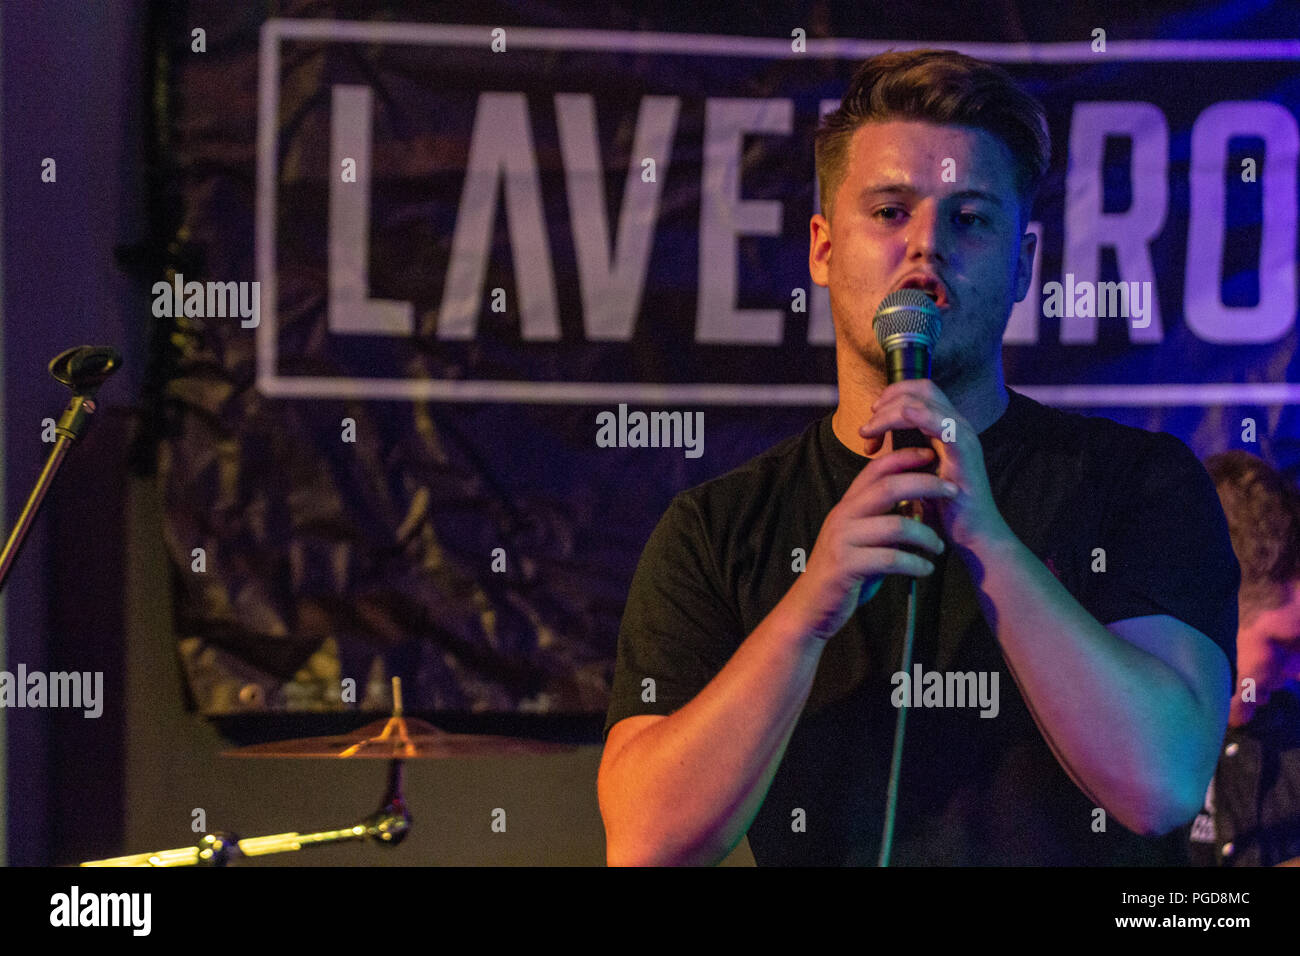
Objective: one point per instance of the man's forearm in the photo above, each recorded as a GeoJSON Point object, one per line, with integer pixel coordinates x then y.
{"type": "Point", "coordinates": [685, 789]}
{"type": "Point", "coordinates": [1120, 720]}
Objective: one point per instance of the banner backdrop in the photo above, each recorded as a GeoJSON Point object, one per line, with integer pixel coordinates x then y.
{"type": "Point", "coordinates": [449, 269]}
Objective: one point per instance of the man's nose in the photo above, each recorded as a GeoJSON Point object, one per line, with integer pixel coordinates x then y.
{"type": "Point", "coordinates": [926, 235]}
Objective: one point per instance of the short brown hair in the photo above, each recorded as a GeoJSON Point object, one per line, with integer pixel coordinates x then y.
{"type": "Point", "coordinates": [938, 86]}
{"type": "Point", "coordinates": [1263, 511]}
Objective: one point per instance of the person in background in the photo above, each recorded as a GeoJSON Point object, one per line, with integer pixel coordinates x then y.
{"type": "Point", "coordinates": [1252, 807]}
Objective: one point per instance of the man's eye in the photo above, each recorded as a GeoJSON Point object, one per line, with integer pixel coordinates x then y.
{"type": "Point", "coordinates": [880, 213]}
{"type": "Point", "coordinates": [972, 218]}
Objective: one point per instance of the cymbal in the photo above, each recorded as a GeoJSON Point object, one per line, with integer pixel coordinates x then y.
{"type": "Point", "coordinates": [400, 738]}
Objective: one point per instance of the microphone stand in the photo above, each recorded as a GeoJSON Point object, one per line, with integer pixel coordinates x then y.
{"type": "Point", "coordinates": [387, 826]}
{"type": "Point", "coordinates": [84, 370]}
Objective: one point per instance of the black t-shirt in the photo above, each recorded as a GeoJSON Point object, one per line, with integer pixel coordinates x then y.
{"type": "Point", "coordinates": [974, 790]}
{"type": "Point", "coordinates": [1252, 806]}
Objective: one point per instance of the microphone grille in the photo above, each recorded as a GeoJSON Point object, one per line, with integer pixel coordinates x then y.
{"type": "Point", "coordinates": [910, 313]}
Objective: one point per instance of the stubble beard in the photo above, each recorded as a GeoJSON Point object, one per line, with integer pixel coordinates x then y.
{"type": "Point", "coordinates": [948, 368]}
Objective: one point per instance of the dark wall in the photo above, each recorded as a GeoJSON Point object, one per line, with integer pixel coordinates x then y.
{"type": "Point", "coordinates": [91, 590]}
{"type": "Point", "coordinates": [70, 93]}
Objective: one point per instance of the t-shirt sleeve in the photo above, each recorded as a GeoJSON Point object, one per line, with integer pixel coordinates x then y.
{"type": "Point", "coordinates": [1167, 548]}
{"type": "Point", "coordinates": [678, 627]}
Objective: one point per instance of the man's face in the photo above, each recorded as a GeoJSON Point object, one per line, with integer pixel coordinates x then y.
{"type": "Point", "coordinates": [940, 201]}
{"type": "Point", "coordinates": [1279, 626]}
{"type": "Point", "coordinates": [1268, 644]}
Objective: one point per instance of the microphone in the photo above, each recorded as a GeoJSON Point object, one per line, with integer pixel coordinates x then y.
{"type": "Point", "coordinates": [84, 368]}
{"type": "Point", "coordinates": [907, 327]}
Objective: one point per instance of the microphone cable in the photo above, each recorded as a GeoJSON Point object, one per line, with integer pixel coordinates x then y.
{"type": "Point", "coordinates": [896, 762]}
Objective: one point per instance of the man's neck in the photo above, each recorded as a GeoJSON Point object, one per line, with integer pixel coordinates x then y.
{"type": "Point", "coordinates": [980, 401]}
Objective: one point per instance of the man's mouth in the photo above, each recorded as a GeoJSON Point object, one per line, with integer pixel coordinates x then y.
{"type": "Point", "coordinates": [928, 284]}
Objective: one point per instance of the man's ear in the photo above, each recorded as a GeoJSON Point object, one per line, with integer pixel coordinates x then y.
{"type": "Point", "coordinates": [1025, 264]}
{"type": "Point", "coordinates": [819, 249]}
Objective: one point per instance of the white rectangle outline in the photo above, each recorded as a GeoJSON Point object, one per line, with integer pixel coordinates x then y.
{"type": "Point", "coordinates": [485, 390]}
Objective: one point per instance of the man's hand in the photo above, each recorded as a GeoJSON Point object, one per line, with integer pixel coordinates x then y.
{"type": "Point", "coordinates": [971, 516]}
{"type": "Point", "coordinates": [859, 541]}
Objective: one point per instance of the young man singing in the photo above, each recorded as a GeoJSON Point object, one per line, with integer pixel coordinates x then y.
{"type": "Point", "coordinates": [1081, 568]}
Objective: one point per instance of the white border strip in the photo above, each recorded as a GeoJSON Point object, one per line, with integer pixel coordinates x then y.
{"type": "Point", "coordinates": [268, 115]}
{"type": "Point", "coordinates": [771, 48]}
{"type": "Point", "coordinates": [580, 393]}
{"type": "Point", "coordinates": [272, 385]}
{"type": "Point", "coordinates": [571, 393]}
{"type": "Point", "coordinates": [1115, 396]}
